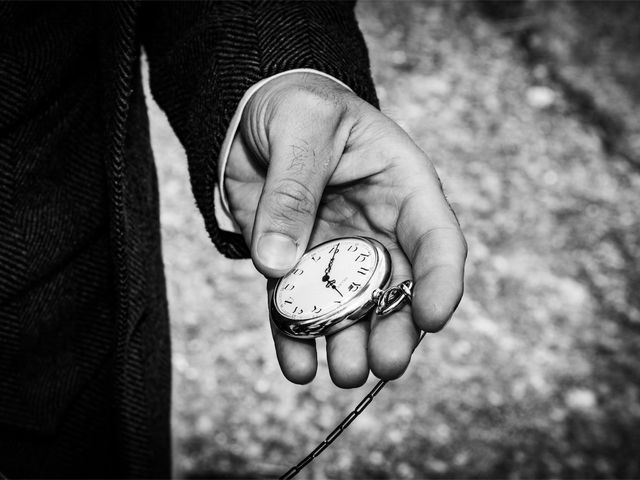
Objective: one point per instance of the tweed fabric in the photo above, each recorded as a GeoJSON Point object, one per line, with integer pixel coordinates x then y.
{"type": "Point", "coordinates": [84, 338]}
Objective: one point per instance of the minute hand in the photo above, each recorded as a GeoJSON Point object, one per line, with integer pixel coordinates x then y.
{"type": "Point", "coordinates": [327, 270]}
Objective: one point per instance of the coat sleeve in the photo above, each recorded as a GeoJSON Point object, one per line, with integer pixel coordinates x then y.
{"type": "Point", "coordinates": [203, 56]}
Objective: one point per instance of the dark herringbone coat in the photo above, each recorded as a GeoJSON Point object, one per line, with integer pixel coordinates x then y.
{"type": "Point", "coordinates": [84, 342]}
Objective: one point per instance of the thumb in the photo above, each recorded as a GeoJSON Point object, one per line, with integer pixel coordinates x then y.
{"type": "Point", "coordinates": [306, 136]}
{"type": "Point", "coordinates": [301, 132]}
{"type": "Point", "coordinates": [297, 175]}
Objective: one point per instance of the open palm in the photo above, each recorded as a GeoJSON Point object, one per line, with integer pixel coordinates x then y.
{"type": "Point", "coordinates": [311, 162]}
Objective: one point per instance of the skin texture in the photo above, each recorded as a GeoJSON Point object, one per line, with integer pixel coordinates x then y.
{"type": "Point", "coordinates": [312, 161]}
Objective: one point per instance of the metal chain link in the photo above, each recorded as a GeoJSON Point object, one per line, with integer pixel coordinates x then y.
{"type": "Point", "coordinates": [342, 426]}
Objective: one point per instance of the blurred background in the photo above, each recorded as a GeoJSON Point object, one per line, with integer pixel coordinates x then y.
{"type": "Point", "coordinates": [530, 112]}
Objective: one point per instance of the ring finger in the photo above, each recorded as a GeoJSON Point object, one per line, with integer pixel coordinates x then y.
{"type": "Point", "coordinates": [393, 338]}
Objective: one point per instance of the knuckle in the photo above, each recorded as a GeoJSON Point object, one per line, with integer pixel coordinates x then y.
{"type": "Point", "coordinates": [292, 199]}
{"type": "Point", "coordinates": [436, 315]}
{"type": "Point", "coordinates": [444, 241]}
{"type": "Point", "coordinates": [465, 246]}
{"type": "Point", "coordinates": [323, 102]}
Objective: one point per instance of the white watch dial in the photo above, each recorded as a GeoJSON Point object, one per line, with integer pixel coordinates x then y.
{"type": "Point", "coordinates": [326, 279]}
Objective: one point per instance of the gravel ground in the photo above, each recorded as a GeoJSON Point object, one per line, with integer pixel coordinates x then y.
{"type": "Point", "coordinates": [530, 113]}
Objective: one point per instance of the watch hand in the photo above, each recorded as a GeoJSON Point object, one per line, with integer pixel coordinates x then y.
{"type": "Point", "coordinates": [325, 277]}
{"type": "Point", "coordinates": [332, 284]}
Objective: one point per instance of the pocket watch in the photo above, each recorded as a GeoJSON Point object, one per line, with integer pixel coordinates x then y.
{"type": "Point", "coordinates": [334, 285]}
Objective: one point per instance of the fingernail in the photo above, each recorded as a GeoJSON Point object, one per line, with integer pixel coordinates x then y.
{"type": "Point", "coordinates": [277, 251]}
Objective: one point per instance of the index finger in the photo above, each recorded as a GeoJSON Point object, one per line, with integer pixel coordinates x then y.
{"type": "Point", "coordinates": [429, 233]}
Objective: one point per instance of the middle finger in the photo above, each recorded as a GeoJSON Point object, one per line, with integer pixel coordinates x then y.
{"type": "Point", "coordinates": [347, 355]}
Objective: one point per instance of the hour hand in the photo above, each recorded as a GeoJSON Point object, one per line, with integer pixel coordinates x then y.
{"type": "Point", "coordinates": [332, 284]}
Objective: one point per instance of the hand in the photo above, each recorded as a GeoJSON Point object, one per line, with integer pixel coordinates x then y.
{"type": "Point", "coordinates": [312, 161]}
